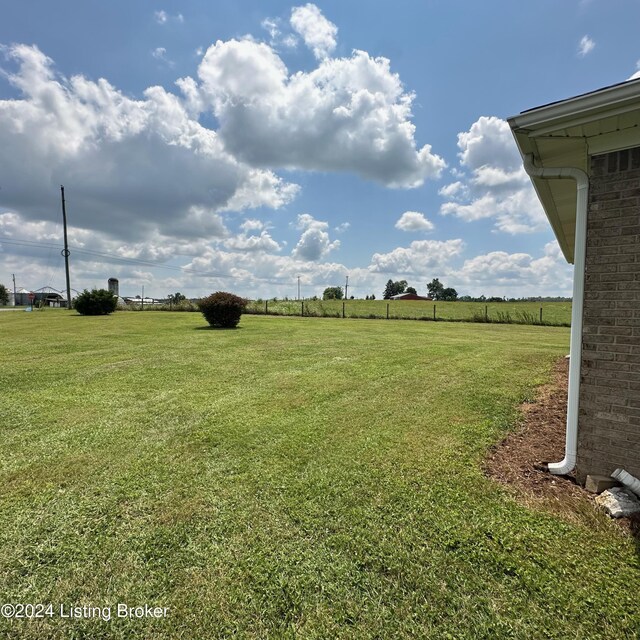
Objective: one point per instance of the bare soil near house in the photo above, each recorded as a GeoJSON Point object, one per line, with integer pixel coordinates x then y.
{"type": "Point", "coordinates": [540, 438]}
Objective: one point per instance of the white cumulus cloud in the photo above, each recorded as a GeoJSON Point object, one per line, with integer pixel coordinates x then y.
{"type": "Point", "coordinates": [498, 187]}
{"type": "Point", "coordinates": [245, 242]}
{"type": "Point", "coordinates": [421, 257]}
{"type": "Point", "coordinates": [516, 274]}
{"type": "Point", "coordinates": [318, 33]}
{"type": "Point", "coordinates": [414, 221]}
{"type": "Point", "coordinates": [314, 243]}
{"type": "Point", "coordinates": [130, 166]}
{"type": "Point", "coordinates": [348, 114]}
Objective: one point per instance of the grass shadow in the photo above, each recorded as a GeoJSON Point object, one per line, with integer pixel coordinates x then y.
{"type": "Point", "coordinates": [210, 328]}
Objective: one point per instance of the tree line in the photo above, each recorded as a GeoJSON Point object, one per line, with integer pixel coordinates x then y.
{"type": "Point", "coordinates": [436, 290]}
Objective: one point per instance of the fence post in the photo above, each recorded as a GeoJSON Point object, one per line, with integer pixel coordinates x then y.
{"type": "Point", "coordinates": [486, 313]}
{"type": "Point", "coordinates": [343, 309]}
{"type": "Point", "coordinates": [540, 315]}
{"type": "Point", "coordinates": [302, 309]}
{"type": "Point", "coordinates": [434, 311]}
{"type": "Point", "coordinates": [387, 310]}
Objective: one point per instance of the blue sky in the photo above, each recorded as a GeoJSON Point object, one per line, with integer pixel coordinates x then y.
{"type": "Point", "coordinates": [239, 145]}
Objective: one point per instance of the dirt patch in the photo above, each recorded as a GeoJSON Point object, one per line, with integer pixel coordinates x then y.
{"type": "Point", "coordinates": [540, 438]}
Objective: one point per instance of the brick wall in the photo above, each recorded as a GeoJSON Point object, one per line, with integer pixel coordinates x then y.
{"type": "Point", "coordinates": [609, 415]}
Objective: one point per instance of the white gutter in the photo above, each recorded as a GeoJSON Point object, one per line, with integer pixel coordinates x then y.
{"type": "Point", "coordinates": [582, 182]}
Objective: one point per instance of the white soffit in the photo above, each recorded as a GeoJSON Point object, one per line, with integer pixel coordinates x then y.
{"type": "Point", "coordinates": [566, 134]}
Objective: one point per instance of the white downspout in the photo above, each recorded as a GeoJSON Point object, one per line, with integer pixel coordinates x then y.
{"type": "Point", "coordinates": [582, 182]}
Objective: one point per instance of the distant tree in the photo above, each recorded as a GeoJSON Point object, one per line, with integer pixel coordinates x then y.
{"type": "Point", "coordinates": [176, 297]}
{"type": "Point", "coordinates": [411, 290]}
{"type": "Point", "coordinates": [4, 295]}
{"type": "Point", "coordinates": [449, 295]}
{"type": "Point", "coordinates": [495, 299]}
{"type": "Point", "coordinates": [372, 296]}
{"type": "Point", "coordinates": [332, 293]}
{"type": "Point", "coordinates": [435, 289]}
{"type": "Point", "coordinates": [394, 288]}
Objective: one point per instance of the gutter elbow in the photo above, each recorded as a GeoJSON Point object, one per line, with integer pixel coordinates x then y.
{"type": "Point", "coordinates": [565, 466]}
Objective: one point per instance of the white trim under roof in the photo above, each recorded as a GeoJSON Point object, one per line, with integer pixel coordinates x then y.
{"type": "Point", "coordinates": [566, 134]}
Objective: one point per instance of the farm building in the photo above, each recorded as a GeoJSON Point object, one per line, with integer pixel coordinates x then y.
{"type": "Point", "coordinates": [50, 297]}
{"type": "Point", "coordinates": [583, 157]}
{"type": "Point", "coordinates": [47, 296]}
{"type": "Point", "coordinates": [408, 296]}
{"type": "Point", "coordinates": [22, 297]}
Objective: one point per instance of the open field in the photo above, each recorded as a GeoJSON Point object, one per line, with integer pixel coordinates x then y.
{"type": "Point", "coordinates": [293, 478]}
{"type": "Point", "coordinates": [553, 313]}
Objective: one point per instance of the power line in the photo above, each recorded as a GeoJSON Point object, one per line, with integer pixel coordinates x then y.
{"type": "Point", "coordinates": [136, 261]}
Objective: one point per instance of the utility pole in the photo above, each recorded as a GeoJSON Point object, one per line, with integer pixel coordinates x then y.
{"type": "Point", "coordinates": [65, 252]}
{"type": "Point", "coordinates": [13, 275]}
{"type": "Point", "coordinates": [298, 287]}
{"type": "Point", "coordinates": [142, 305]}
{"type": "Point", "coordinates": [346, 288]}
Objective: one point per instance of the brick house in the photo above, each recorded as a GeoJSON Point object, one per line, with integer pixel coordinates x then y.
{"type": "Point", "coordinates": [583, 157]}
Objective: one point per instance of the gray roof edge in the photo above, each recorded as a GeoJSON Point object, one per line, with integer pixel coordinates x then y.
{"type": "Point", "coordinates": [595, 100]}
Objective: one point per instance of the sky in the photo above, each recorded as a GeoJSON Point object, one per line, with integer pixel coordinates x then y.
{"type": "Point", "coordinates": [239, 146]}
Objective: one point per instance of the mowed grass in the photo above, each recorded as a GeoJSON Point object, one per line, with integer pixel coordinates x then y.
{"type": "Point", "coordinates": [293, 478]}
{"type": "Point", "coordinates": [553, 313]}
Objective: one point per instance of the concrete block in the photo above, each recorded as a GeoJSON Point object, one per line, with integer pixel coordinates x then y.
{"type": "Point", "coordinates": [597, 484]}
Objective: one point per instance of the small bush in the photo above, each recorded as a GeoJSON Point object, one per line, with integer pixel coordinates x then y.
{"type": "Point", "coordinates": [97, 302]}
{"type": "Point", "coordinates": [222, 309]}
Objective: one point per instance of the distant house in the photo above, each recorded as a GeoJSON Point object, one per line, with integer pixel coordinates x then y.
{"type": "Point", "coordinates": [583, 157]}
{"type": "Point", "coordinates": [408, 296]}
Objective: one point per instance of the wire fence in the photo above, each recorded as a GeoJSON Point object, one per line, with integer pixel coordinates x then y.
{"type": "Point", "coordinates": [556, 314]}
{"type": "Point", "coordinates": [549, 314]}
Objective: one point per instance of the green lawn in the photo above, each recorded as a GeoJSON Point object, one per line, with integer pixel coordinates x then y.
{"type": "Point", "coordinates": [553, 313]}
{"type": "Point", "coordinates": [293, 478]}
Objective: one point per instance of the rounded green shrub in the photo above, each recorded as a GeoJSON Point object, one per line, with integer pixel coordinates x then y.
{"type": "Point", "coordinates": [97, 302]}
{"type": "Point", "coordinates": [222, 309]}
